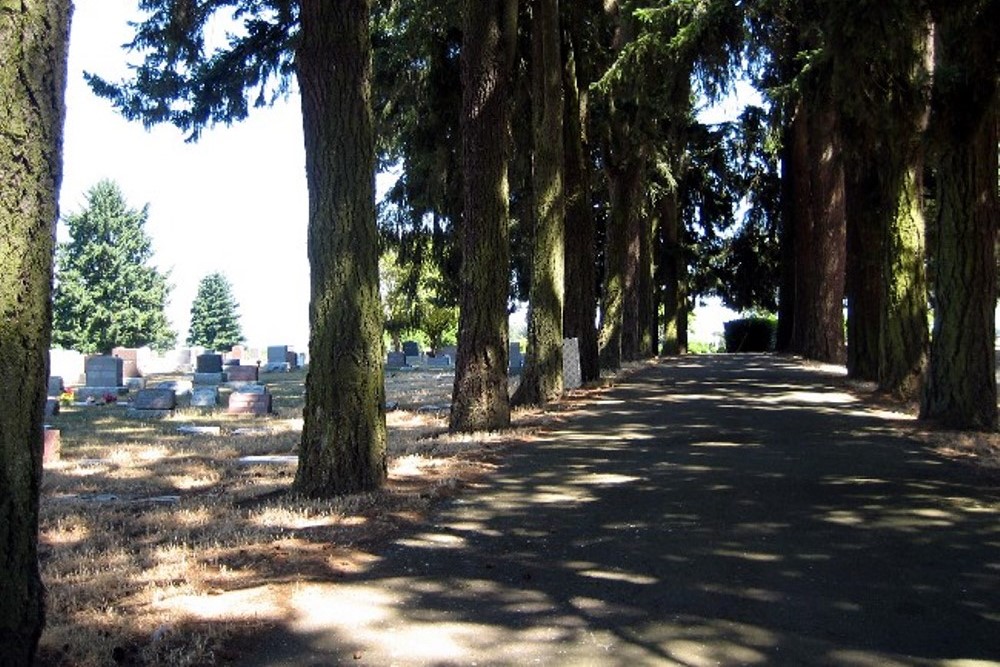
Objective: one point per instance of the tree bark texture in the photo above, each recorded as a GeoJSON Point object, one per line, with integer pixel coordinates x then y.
{"type": "Point", "coordinates": [479, 399]}
{"type": "Point", "coordinates": [616, 260]}
{"type": "Point", "coordinates": [960, 386]}
{"type": "Point", "coordinates": [33, 46]}
{"type": "Point", "coordinates": [542, 378]}
{"type": "Point", "coordinates": [820, 234]}
{"type": "Point", "coordinates": [865, 242]}
{"type": "Point", "coordinates": [580, 312]}
{"type": "Point", "coordinates": [671, 261]}
{"type": "Point", "coordinates": [343, 447]}
{"type": "Point", "coordinates": [648, 298]}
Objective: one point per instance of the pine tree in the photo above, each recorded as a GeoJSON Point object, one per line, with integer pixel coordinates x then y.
{"type": "Point", "coordinates": [215, 322]}
{"type": "Point", "coordinates": [107, 294]}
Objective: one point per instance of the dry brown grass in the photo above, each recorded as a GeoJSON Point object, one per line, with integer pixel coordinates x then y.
{"type": "Point", "coordinates": [157, 546]}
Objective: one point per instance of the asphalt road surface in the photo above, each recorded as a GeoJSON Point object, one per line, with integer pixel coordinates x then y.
{"type": "Point", "coordinates": [711, 510]}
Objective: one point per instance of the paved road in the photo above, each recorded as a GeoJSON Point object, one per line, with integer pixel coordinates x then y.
{"type": "Point", "coordinates": [733, 510]}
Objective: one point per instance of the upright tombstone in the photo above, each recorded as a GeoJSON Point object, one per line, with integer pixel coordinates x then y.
{"type": "Point", "coordinates": [130, 361]}
{"type": "Point", "coordinates": [277, 358]}
{"type": "Point", "coordinates": [292, 359]}
{"type": "Point", "coordinates": [56, 387]}
{"type": "Point", "coordinates": [104, 371]}
{"type": "Point", "coordinates": [242, 373]}
{"type": "Point", "coordinates": [395, 361]}
{"type": "Point", "coordinates": [572, 375]}
{"type": "Point", "coordinates": [208, 369]}
{"type": "Point", "coordinates": [411, 349]}
{"type": "Point", "coordinates": [516, 359]}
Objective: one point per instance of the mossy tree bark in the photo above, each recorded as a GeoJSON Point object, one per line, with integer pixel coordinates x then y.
{"type": "Point", "coordinates": [479, 398]}
{"type": "Point", "coordinates": [960, 387]}
{"type": "Point", "coordinates": [33, 45]}
{"type": "Point", "coordinates": [820, 233]}
{"type": "Point", "coordinates": [580, 312]}
{"type": "Point", "coordinates": [542, 378]}
{"type": "Point", "coordinates": [343, 446]}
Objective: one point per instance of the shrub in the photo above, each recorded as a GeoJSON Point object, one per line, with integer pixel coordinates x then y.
{"type": "Point", "coordinates": [751, 334]}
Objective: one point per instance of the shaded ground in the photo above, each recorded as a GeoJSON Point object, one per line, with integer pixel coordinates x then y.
{"type": "Point", "coordinates": [711, 510]}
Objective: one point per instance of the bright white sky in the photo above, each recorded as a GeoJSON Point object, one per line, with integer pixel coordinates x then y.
{"type": "Point", "coordinates": [235, 202]}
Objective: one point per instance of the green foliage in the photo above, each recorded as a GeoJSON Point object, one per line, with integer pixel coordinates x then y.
{"type": "Point", "coordinates": [412, 300]}
{"type": "Point", "coordinates": [106, 293]}
{"type": "Point", "coordinates": [215, 322]}
{"type": "Point", "coordinates": [751, 334]}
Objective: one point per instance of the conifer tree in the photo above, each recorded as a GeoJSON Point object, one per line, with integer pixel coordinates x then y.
{"type": "Point", "coordinates": [215, 322]}
{"type": "Point", "coordinates": [107, 293]}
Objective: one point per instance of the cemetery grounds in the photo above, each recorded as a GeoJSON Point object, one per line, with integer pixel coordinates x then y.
{"type": "Point", "coordinates": [159, 545]}
{"type": "Point", "coordinates": [162, 547]}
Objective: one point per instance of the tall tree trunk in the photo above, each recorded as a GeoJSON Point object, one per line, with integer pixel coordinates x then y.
{"type": "Point", "coordinates": [820, 234]}
{"type": "Point", "coordinates": [343, 447]}
{"type": "Point", "coordinates": [616, 288]}
{"type": "Point", "coordinates": [865, 242]}
{"type": "Point", "coordinates": [671, 260]}
{"type": "Point", "coordinates": [786, 289]}
{"type": "Point", "coordinates": [581, 235]}
{"type": "Point", "coordinates": [960, 388]}
{"type": "Point", "coordinates": [479, 399]}
{"type": "Point", "coordinates": [542, 378]}
{"type": "Point", "coordinates": [648, 326]}
{"type": "Point", "coordinates": [631, 313]}
{"type": "Point", "coordinates": [33, 44]}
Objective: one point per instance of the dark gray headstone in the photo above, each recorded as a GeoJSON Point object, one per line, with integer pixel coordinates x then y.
{"type": "Point", "coordinates": [411, 348]}
{"type": "Point", "coordinates": [51, 407]}
{"type": "Point", "coordinates": [56, 385]}
{"type": "Point", "coordinates": [154, 399]}
{"type": "Point", "coordinates": [208, 363]}
{"type": "Point", "coordinates": [104, 371]}
{"type": "Point", "coordinates": [209, 378]}
{"type": "Point", "coordinates": [516, 359]}
{"type": "Point", "coordinates": [395, 360]}
{"type": "Point", "coordinates": [277, 354]}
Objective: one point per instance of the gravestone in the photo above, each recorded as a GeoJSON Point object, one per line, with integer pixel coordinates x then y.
{"type": "Point", "coordinates": [572, 376]}
{"type": "Point", "coordinates": [292, 359]}
{"type": "Point", "coordinates": [51, 406]}
{"type": "Point", "coordinates": [516, 359]}
{"type": "Point", "coordinates": [204, 397]}
{"type": "Point", "coordinates": [448, 351]}
{"type": "Point", "coordinates": [104, 371]}
{"type": "Point", "coordinates": [439, 361]}
{"type": "Point", "coordinates": [152, 404]}
{"type": "Point", "coordinates": [241, 403]}
{"type": "Point", "coordinates": [277, 358]}
{"type": "Point", "coordinates": [411, 348]}
{"type": "Point", "coordinates": [252, 388]}
{"type": "Point", "coordinates": [179, 387]}
{"type": "Point", "coordinates": [52, 446]}
{"type": "Point", "coordinates": [208, 363]}
{"type": "Point", "coordinates": [395, 360]}
{"type": "Point", "coordinates": [56, 387]}
{"type": "Point", "coordinates": [210, 378]}
{"type": "Point", "coordinates": [130, 361]}
{"type": "Point", "coordinates": [242, 373]}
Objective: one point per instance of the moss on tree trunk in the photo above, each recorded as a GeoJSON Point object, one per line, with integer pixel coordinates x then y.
{"type": "Point", "coordinates": [479, 399]}
{"type": "Point", "coordinates": [343, 447]}
{"type": "Point", "coordinates": [33, 44]}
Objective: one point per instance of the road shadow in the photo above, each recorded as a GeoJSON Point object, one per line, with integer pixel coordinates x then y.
{"type": "Point", "coordinates": [712, 510]}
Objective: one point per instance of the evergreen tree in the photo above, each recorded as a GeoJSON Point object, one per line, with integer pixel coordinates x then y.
{"type": "Point", "coordinates": [33, 45]}
{"type": "Point", "coordinates": [215, 322]}
{"type": "Point", "coordinates": [107, 294]}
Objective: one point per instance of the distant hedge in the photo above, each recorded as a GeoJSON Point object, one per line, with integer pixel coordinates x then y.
{"type": "Point", "coordinates": [751, 334]}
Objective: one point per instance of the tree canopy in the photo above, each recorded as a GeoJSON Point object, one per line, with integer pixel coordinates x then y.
{"type": "Point", "coordinates": [215, 320]}
{"type": "Point", "coordinates": [107, 292]}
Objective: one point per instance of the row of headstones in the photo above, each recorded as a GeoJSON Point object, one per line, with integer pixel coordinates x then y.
{"type": "Point", "coordinates": [161, 401]}
{"type": "Point", "coordinates": [572, 375]}
{"type": "Point", "coordinates": [411, 356]}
